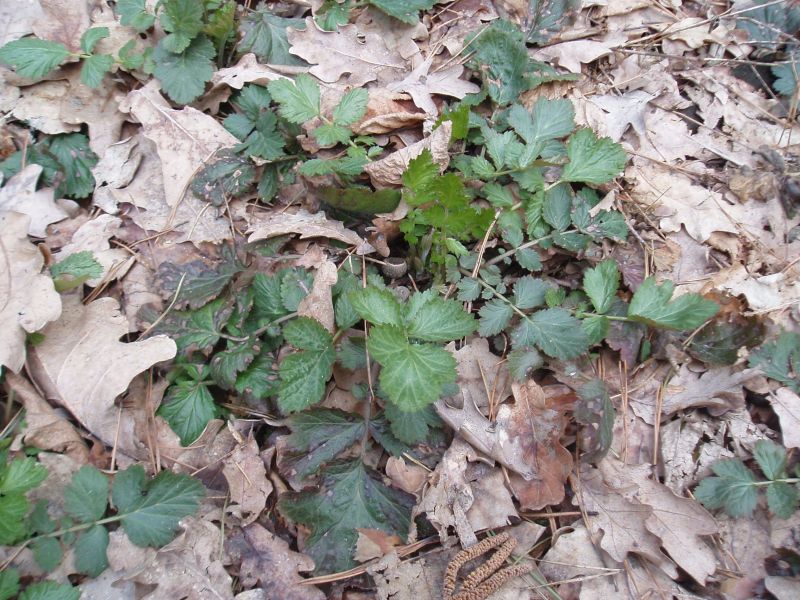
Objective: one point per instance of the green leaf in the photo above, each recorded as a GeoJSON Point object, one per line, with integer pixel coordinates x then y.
{"type": "Point", "coordinates": [32, 57]}
{"type": "Point", "coordinates": [557, 206]}
{"type": "Point", "coordinates": [592, 159]}
{"type": "Point", "coordinates": [771, 458]}
{"type": "Point", "coordinates": [91, 36]}
{"type": "Point", "coordinates": [780, 359]}
{"type": "Point", "coordinates": [468, 289]}
{"type": "Point", "coordinates": [184, 20]}
{"type": "Point", "coordinates": [378, 306]}
{"type": "Point", "coordinates": [556, 332]}
{"type": "Point", "coordinates": [47, 552]}
{"type": "Point", "coordinates": [40, 520]}
{"type": "Point", "coordinates": [497, 145]}
{"type": "Point", "coordinates": [188, 407]}
{"type": "Point", "coordinates": [411, 427]}
{"type": "Point", "coordinates": [421, 172]}
{"type": "Point", "coordinates": [304, 374]}
{"type": "Point", "coordinates": [90, 551]}
{"type": "Point", "coordinates": [529, 292]}
{"type": "Point", "coordinates": [782, 499]}
{"type": "Point", "coordinates": [128, 59]}
{"type": "Point", "coordinates": [81, 266]}
{"type": "Point", "coordinates": [267, 296]}
{"type": "Point", "coordinates": [502, 59]}
{"type": "Point", "coordinates": [228, 176]}
{"type": "Point", "coordinates": [651, 305]}
{"type": "Point", "coordinates": [150, 511]}
{"type": "Point", "coordinates": [333, 13]}
{"type": "Point", "coordinates": [349, 497]}
{"type": "Point", "coordinates": [549, 119]}
{"type": "Point", "coordinates": [21, 475]}
{"type": "Point", "coordinates": [295, 285]}
{"type": "Point", "coordinates": [183, 76]}
{"type": "Point", "coordinates": [403, 10]}
{"type": "Point", "coordinates": [498, 195]}
{"type": "Point", "coordinates": [86, 497]}
{"type": "Point", "coordinates": [134, 14]}
{"type": "Point", "coordinates": [298, 100]}
{"type": "Point", "coordinates": [264, 34]}
{"type": "Point", "coordinates": [786, 76]}
{"type": "Point", "coordinates": [494, 317]}
{"type": "Point", "coordinates": [596, 328]}
{"type": "Point", "coordinates": [318, 436]}
{"type": "Point", "coordinates": [732, 489]}
{"type": "Point", "coordinates": [260, 379]}
{"type": "Point", "coordinates": [220, 24]}
{"type": "Point", "coordinates": [719, 343]}
{"type": "Point", "coordinates": [435, 319]}
{"type": "Point", "coordinates": [94, 68]}
{"type": "Point", "coordinates": [412, 375]}
{"type": "Point", "coordinates": [13, 508]}
{"type": "Point", "coordinates": [533, 205]}
{"type": "Point", "coordinates": [330, 134]}
{"type": "Point", "coordinates": [9, 583]}
{"type": "Point", "coordinates": [601, 284]}
{"type": "Point", "coordinates": [77, 160]}
{"type": "Point", "coordinates": [202, 328]}
{"type": "Point", "coordinates": [226, 365]}
{"type": "Point", "coordinates": [523, 361]}
{"type": "Point", "coordinates": [50, 590]}
{"type": "Point", "coordinates": [351, 107]}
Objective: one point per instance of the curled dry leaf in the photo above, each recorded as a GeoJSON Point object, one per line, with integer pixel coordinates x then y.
{"type": "Point", "coordinates": [93, 236]}
{"type": "Point", "coordinates": [40, 106]}
{"type": "Point", "coordinates": [82, 365]}
{"type": "Point", "coordinates": [387, 111]}
{"type": "Point", "coordinates": [64, 22]}
{"type": "Point", "coordinates": [247, 480]}
{"type": "Point", "coordinates": [308, 226]}
{"type": "Point", "coordinates": [21, 196]}
{"type": "Point", "coordinates": [421, 84]}
{"type": "Point", "coordinates": [28, 300]}
{"type": "Point", "coordinates": [388, 171]}
{"type": "Point", "coordinates": [247, 70]}
{"type": "Point", "coordinates": [786, 405]}
{"type": "Point", "coordinates": [318, 304]}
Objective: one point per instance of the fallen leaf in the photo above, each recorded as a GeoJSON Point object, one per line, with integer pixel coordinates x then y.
{"type": "Point", "coordinates": [267, 562]}
{"type": "Point", "coordinates": [408, 477]}
{"type": "Point", "coordinates": [374, 543]}
{"type": "Point", "coordinates": [28, 300]}
{"type": "Point", "coordinates": [17, 18]}
{"type": "Point", "coordinates": [421, 84]}
{"type": "Point", "coordinates": [247, 480]}
{"type": "Point", "coordinates": [388, 171]}
{"type": "Point", "coordinates": [93, 236]}
{"type": "Point", "coordinates": [247, 70]}
{"type": "Point", "coordinates": [622, 112]}
{"type": "Point", "coordinates": [40, 106]}
{"type": "Point", "coordinates": [64, 22]}
{"type": "Point", "coordinates": [21, 196]}
{"type": "Point", "coordinates": [340, 52]}
{"type": "Point", "coordinates": [482, 372]}
{"type": "Point", "coordinates": [82, 365]}
{"type": "Point", "coordinates": [308, 226]}
{"type": "Point", "coordinates": [571, 55]}
{"type": "Point", "coordinates": [318, 304]}
{"type": "Point", "coordinates": [786, 405]}
{"type": "Point", "coordinates": [115, 169]}
{"type": "Point", "coordinates": [767, 293]}
{"type": "Point", "coordinates": [387, 111]}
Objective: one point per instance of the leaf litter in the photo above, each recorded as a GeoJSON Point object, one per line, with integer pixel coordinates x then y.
{"type": "Point", "coordinates": [643, 465]}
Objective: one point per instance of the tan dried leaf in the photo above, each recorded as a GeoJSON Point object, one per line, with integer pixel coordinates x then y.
{"type": "Point", "coordinates": [786, 405]}
{"type": "Point", "coordinates": [64, 22]}
{"type": "Point", "coordinates": [82, 365]}
{"type": "Point", "coordinates": [388, 171]}
{"type": "Point", "coordinates": [93, 236]}
{"type": "Point", "coordinates": [421, 84]}
{"type": "Point", "coordinates": [374, 543]}
{"type": "Point", "coordinates": [28, 300]}
{"type": "Point", "coordinates": [247, 70]}
{"type": "Point", "coordinates": [307, 225]}
{"type": "Point", "coordinates": [17, 18]}
{"type": "Point", "coordinates": [571, 55]}
{"type": "Point", "coordinates": [247, 480]}
{"type": "Point", "coordinates": [318, 304]}
{"type": "Point", "coordinates": [21, 196]}
{"type": "Point", "coordinates": [408, 477]}
{"type": "Point", "coordinates": [334, 54]}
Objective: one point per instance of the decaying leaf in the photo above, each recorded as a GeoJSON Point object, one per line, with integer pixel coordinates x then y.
{"type": "Point", "coordinates": [388, 171]}
{"type": "Point", "coordinates": [93, 236]}
{"type": "Point", "coordinates": [318, 304]}
{"type": "Point", "coordinates": [21, 196]}
{"type": "Point", "coordinates": [247, 480]}
{"type": "Point", "coordinates": [82, 365]}
{"type": "Point", "coordinates": [28, 300]}
{"type": "Point", "coordinates": [786, 405]}
{"type": "Point", "coordinates": [308, 226]}
{"type": "Point", "coordinates": [421, 84]}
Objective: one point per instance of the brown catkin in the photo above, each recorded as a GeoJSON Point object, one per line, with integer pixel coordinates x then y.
{"type": "Point", "coordinates": [463, 557]}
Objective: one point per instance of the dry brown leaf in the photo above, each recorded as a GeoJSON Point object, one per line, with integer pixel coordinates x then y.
{"type": "Point", "coordinates": [28, 300]}
{"type": "Point", "coordinates": [21, 196]}
{"type": "Point", "coordinates": [17, 18]}
{"type": "Point", "coordinates": [768, 293]}
{"type": "Point", "coordinates": [82, 365]}
{"type": "Point", "coordinates": [64, 22]}
{"type": "Point", "coordinates": [482, 372]}
{"type": "Point", "coordinates": [93, 236]}
{"type": "Point", "coordinates": [620, 112]}
{"type": "Point", "coordinates": [40, 106]}
{"type": "Point", "coordinates": [340, 52]}
{"type": "Point", "coordinates": [571, 55]}
{"type": "Point", "coordinates": [387, 111]}
{"type": "Point", "coordinates": [388, 171]}
{"type": "Point", "coordinates": [267, 562]}
{"type": "Point", "coordinates": [783, 588]}
{"type": "Point", "coordinates": [408, 477]}
{"type": "Point", "coordinates": [318, 304]}
{"type": "Point", "coordinates": [247, 70]}
{"type": "Point", "coordinates": [397, 36]}
{"type": "Point", "coordinates": [247, 480]}
{"type": "Point", "coordinates": [374, 543]}
{"type": "Point", "coordinates": [744, 545]}
{"type": "Point", "coordinates": [115, 169]}
{"type": "Point", "coordinates": [786, 405]}
{"type": "Point", "coordinates": [421, 84]}
{"type": "Point", "coordinates": [308, 226]}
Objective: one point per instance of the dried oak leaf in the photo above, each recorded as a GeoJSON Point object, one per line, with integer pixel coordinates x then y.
{"type": "Point", "coordinates": [21, 196]}
{"type": "Point", "coordinates": [421, 84]}
{"type": "Point", "coordinates": [318, 304]}
{"type": "Point", "coordinates": [267, 561]}
{"type": "Point", "coordinates": [786, 405]}
{"type": "Point", "coordinates": [388, 171]}
{"type": "Point", "coordinates": [82, 365]}
{"type": "Point", "coordinates": [64, 21]}
{"type": "Point", "coordinates": [94, 236]}
{"type": "Point", "coordinates": [247, 480]}
{"type": "Point", "coordinates": [28, 300]}
{"type": "Point", "coordinates": [308, 226]}
{"type": "Point", "coordinates": [247, 70]}
{"type": "Point", "coordinates": [334, 53]}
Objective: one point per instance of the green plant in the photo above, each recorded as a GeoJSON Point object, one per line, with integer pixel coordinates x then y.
{"type": "Point", "coordinates": [332, 13]}
{"type": "Point", "coordinates": [735, 488]}
{"type": "Point", "coordinates": [148, 510]}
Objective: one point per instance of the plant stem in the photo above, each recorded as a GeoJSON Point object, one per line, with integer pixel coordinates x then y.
{"type": "Point", "coordinates": [260, 330]}
{"type": "Point", "coordinates": [513, 251]}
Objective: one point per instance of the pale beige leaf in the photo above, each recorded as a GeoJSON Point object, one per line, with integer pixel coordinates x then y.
{"type": "Point", "coordinates": [93, 236]}
{"type": "Point", "coordinates": [333, 54]}
{"type": "Point", "coordinates": [318, 304]}
{"type": "Point", "coordinates": [247, 70]}
{"type": "Point", "coordinates": [786, 405]}
{"type": "Point", "coordinates": [247, 480]}
{"type": "Point", "coordinates": [82, 365]}
{"type": "Point", "coordinates": [17, 18]}
{"type": "Point", "coordinates": [421, 84]}
{"type": "Point", "coordinates": [28, 300]}
{"type": "Point", "coordinates": [407, 476]}
{"type": "Point", "coordinates": [308, 226]}
{"type": "Point", "coordinates": [21, 196]}
{"type": "Point", "coordinates": [622, 112]}
{"type": "Point", "coordinates": [388, 171]}
{"type": "Point", "coordinates": [571, 55]}
{"type": "Point", "coordinates": [64, 22]}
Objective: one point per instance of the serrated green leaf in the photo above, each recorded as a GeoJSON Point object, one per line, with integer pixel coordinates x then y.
{"type": "Point", "coordinates": [90, 551]}
{"type": "Point", "coordinates": [91, 36]}
{"type": "Point", "coordinates": [557, 206]}
{"type": "Point", "coordinates": [202, 328]}
{"type": "Point", "coordinates": [529, 259]}
{"type": "Point", "coordinates": [32, 57]}
{"type": "Point", "coordinates": [21, 475]}
{"type": "Point", "coordinates": [298, 100]}
{"type": "Point", "coordinates": [226, 177]}
{"type": "Point", "coordinates": [150, 511]}
{"type": "Point", "coordinates": [188, 407]}
{"type": "Point", "coordinates": [719, 343]}
{"type": "Point", "coordinates": [9, 583]}
{"type": "Point", "coordinates": [406, 11]}
{"type": "Point", "coordinates": [333, 13]}
{"type": "Point", "coordinates": [556, 332]}
{"type": "Point", "coordinates": [348, 498]}
{"type": "Point", "coordinates": [535, 224]}
{"type": "Point", "coordinates": [412, 375]}
{"type": "Point", "coordinates": [771, 458]}
{"type": "Point", "coordinates": [411, 427]}
{"type": "Point", "coordinates": [421, 172]}
{"type": "Point", "coordinates": [77, 160]}
{"type": "Point", "coordinates": [13, 508]}
{"type": "Point", "coordinates": [352, 353]}
{"type": "Point", "coordinates": [523, 361]}
{"type": "Point", "coordinates": [183, 19]}
{"type": "Point", "coordinates": [47, 552]}
{"type": "Point", "coordinates": [86, 497]}
{"type": "Point", "coordinates": [468, 289]}
{"type": "Point", "coordinates": [592, 159]}
{"type": "Point", "coordinates": [304, 374]}
{"type": "Point", "coordinates": [438, 320]}
{"type": "Point", "coordinates": [220, 23]}
{"type": "Point", "coordinates": [548, 119]}
{"type": "Point", "coordinates": [260, 379]}
{"type": "Point", "coordinates": [378, 306]}
{"type": "Point", "coordinates": [596, 328]}
{"type": "Point", "coordinates": [127, 57]}
{"type": "Point", "coordinates": [50, 590]}
{"type": "Point", "coordinates": [498, 195]}
{"type": "Point", "coordinates": [81, 265]}
{"type": "Point", "coordinates": [134, 14]}
{"type": "Point", "coordinates": [780, 359]}
{"type": "Point", "coordinates": [330, 134]}
{"type": "Point", "coordinates": [494, 317]}
{"type": "Point", "coordinates": [601, 284]}
{"type": "Point", "coordinates": [264, 34]}
{"type": "Point", "coordinates": [226, 365]}
{"type": "Point", "coordinates": [317, 436]}
{"type": "Point", "coordinates": [529, 292]}
{"type": "Point", "coordinates": [732, 490]}
{"type": "Point", "coordinates": [782, 499]}
{"type": "Point", "coordinates": [481, 167]}
{"type": "Point", "coordinates": [502, 59]}
{"type": "Point", "coordinates": [183, 76]}
{"type": "Point", "coordinates": [351, 107]}
{"type": "Point", "coordinates": [267, 296]}
{"type": "Point", "coordinates": [608, 224]}
{"type": "Point", "coordinates": [651, 305]}
{"type": "Point", "coordinates": [295, 285]}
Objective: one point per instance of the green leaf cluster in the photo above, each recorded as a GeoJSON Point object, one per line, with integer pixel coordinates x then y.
{"type": "Point", "coordinates": [780, 359]}
{"type": "Point", "coordinates": [735, 488]}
